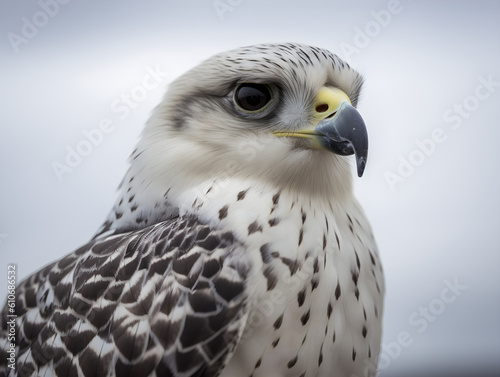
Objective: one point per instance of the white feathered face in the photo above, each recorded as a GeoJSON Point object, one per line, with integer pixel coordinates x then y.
{"type": "Point", "coordinates": [268, 112]}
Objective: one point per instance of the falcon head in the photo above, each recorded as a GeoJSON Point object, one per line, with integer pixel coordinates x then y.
{"type": "Point", "coordinates": [278, 113]}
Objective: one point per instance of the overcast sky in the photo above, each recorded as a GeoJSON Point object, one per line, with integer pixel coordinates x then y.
{"type": "Point", "coordinates": [431, 104]}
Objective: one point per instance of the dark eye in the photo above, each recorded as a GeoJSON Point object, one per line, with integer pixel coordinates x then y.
{"type": "Point", "coordinates": [252, 97]}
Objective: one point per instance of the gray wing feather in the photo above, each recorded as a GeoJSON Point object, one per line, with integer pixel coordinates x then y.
{"type": "Point", "coordinates": [168, 300]}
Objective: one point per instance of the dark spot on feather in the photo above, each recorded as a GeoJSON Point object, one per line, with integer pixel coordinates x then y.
{"type": "Point", "coordinates": [223, 212]}
{"type": "Point", "coordinates": [314, 284]}
{"type": "Point", "coordinates": [76, 341]}
{"type": "Point", "coordinates": [64, 321]}
{"type": "Point", "coordinates": [301, 296]}
{"type": "Point", "coordinates": [241, 195]}
{"type": "Point", "coordinates": [355, 277]}
{"type": "Point", "coordinates": [64, 368]}
{"type": "Point", "coordinates": [337, 290]}
{"type": "Point", "coordinates": [274, 221]}
{"type": "Point", "coordinates": [202, 301]}
{"type": "Point", "coordinates": [184, 264]}
{"type": "Point", "coordinates": [79, 306]}
{"type": "Point", "coordinates": [227, 289]}
{"type": "Point", "coordinates": [278, 322]}
{"type": "Point", "coordinates": [254, 227]}
{"type": "Point", "coordinates": [209, 243]}
{"type": "Point", "coordinates": [293, 265]}
{"type": "Point", "coordinates": [195, 202]}
{"type": "Point", "coordinates": [138, 154]}
{"type": "Point", "coordinates": [276, 198]}
{"type": "Point", "coordinates": [292, 362]}
{"type": "Point", "coordinates": [30, 297]}
{"type": "Point", "coordinates": [211, 267]}
{"type": "Point", "coordinates": [202, 233]}
{"type": "Point", "coordinates": [114, 292]}
{"type": "Point", "coordinates": [92, 290]}
{"type": "Point", "coordinates": [305, 317]}
{"type": "Point", "coordinates": [170, 301]}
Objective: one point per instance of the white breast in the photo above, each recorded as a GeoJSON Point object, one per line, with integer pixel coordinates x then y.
{"type": "Point", "coordinates": [318, 287]}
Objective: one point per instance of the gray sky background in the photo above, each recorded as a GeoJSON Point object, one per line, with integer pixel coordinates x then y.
{"type": "Point", "coordinates": [432, 69]}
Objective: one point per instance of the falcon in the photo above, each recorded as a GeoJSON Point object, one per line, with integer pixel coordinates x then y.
{"type": "Point", "coordinates": [235, 247]}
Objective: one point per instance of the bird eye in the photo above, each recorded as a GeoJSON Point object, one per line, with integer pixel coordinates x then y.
{"type": "Point", "coordinates": [251, 97]}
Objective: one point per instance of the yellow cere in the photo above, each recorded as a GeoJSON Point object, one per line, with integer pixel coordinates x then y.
{"type": "Point", "coordinates": [325, 104]}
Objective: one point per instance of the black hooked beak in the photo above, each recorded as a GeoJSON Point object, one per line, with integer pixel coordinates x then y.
{"type": "Point", "coordinates": [345, 134]}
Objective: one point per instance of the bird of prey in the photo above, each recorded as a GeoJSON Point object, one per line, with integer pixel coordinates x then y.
{"type": "Point", "coordinates": [235, 247]}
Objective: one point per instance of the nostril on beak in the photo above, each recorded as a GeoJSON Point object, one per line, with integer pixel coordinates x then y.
{"type": "Point", "coordinates": [322, 108]}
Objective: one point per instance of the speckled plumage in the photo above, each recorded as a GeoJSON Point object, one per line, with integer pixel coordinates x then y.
{"type": "Point", "coordinates": [229, 252]}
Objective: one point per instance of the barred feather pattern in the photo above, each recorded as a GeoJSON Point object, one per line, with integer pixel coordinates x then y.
{"type": "Point", "coordinates": [166, 300]}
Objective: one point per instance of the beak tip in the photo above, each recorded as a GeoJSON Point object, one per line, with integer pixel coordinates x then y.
{"type": "Point", "coordinates": [361, 164]}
